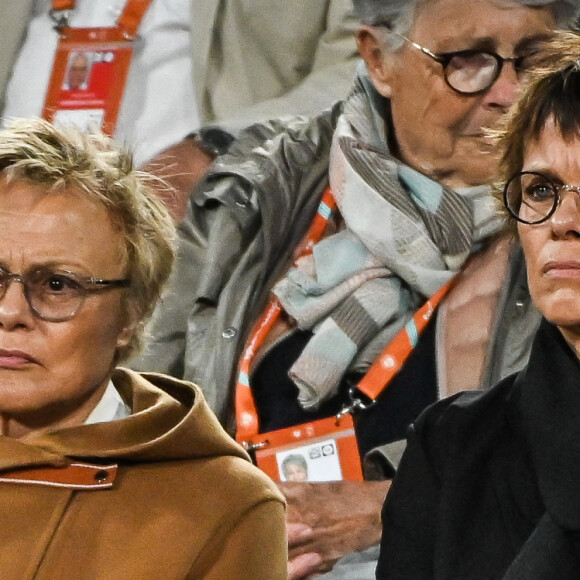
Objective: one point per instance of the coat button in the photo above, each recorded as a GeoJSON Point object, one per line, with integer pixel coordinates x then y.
{"type": "Point", "coordinates": [101, 476]}
{"type": "Point", "coordinates": [230, 332]}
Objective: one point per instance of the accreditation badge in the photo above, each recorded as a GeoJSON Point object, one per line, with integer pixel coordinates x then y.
{"type": "Point", "coordinates": [323, 450]}
{"type": "Point", "coordinates": [88, 78]}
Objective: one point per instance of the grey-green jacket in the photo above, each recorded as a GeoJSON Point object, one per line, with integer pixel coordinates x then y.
{"type": "Point", "coordinates": [243, 223]}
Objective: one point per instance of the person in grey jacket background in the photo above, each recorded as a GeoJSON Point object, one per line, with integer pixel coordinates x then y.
{"type": "Point", "coordinates": [411, 173]}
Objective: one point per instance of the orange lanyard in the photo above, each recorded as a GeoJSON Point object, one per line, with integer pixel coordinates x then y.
{"type": "Point", "coordinates": [246, 412]}
{"type": "Point", "coordinates": [381, 371]}
{"type": "Point", "coordinates": [398, 350]}
{"type": "Point", "coordinates": [128, 21]}
{"type": "Point", "coordinates": [59, 5]}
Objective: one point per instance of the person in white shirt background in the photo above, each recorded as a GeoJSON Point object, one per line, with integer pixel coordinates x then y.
{"type": "Point", "coordinates": [185, 72]}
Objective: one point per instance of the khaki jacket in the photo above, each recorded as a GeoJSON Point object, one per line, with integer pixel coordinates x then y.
{"type": "Point", "coordinates": [259, 59]}
{"type": "Point", "coordinates": [171, 497]}
{"type": "Point", "coordinates": [253, 59]}
{"type": "Point", "coordinates": [243, 223]}
{"type": "Point", "coordinates": [13, 21]}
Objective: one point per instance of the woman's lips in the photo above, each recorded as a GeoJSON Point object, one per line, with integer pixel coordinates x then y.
{"type": "Point", "coordinates": [562, 269]}
{"type": "Point", "coordinates": [15, 358]}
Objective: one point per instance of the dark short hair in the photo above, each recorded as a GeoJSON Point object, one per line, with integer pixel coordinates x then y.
{"type": "Point", "coordinates": [551, 93]}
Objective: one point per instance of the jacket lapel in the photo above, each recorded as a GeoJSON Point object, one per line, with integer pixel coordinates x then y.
{"type": "Point", "coordinates": [548, 410]}
{"type": "Point", "coordinates": [203, 15]}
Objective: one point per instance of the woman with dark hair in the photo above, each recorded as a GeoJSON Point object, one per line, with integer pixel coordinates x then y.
{"type": "Point", "coordinates": [488, 485]}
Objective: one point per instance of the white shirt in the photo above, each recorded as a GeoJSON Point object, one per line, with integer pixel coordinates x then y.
{"type": "Point", "coordinates": [111, 407]}
{"type": "Point", "coordinates": [158, 107]}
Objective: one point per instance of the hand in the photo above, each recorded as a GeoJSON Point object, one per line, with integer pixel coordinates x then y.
{"type": "Point", "coordinates": [329, 520]}
{"type": "Point", "coordinates": [180, 167]}
{"type": "Point", "coordinates": [302, 566]}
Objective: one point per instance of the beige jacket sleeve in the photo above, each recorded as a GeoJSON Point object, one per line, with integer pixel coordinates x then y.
{"type": "Point", "coordinates": [269, 58]}
{"type": "Point", "coordinates": [14, 16]}
{"type": "Point", "coordinates": [255, 548]}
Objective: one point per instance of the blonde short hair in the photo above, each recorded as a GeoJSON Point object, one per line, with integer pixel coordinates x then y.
{"type": "Point", "coordinates": [38, 152]}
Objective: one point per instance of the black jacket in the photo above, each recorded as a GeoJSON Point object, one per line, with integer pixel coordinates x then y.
{"type": "Point", "coordinates": [489, 485]}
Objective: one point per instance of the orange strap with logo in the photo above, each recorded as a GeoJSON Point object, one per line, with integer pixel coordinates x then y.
{"type": "Point", "coordinates": [246, 412]}
{"type": "Point", "coordinates": [398, 350]}
{"type": "Point", "coordinates": [58, 5]}
{"type": "Point", "coordinates": [128, 21]}
{"type": "Point", "coordinates": [380, 373]}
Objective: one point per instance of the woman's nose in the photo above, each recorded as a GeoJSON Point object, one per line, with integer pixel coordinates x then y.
{"type": "Point", "coordinates": [502, 93]}
{"type": "Point", "coordinates": [14, 308]}
{"type": "Point", "coordinates": [566, 219]}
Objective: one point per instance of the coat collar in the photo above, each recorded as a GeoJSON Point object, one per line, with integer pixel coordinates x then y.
{"type": "Point", "coordinates": [170, 421]}
{"type": "Point", "coordinates": [204, 27]}
{"type": "Point", "coordinates": [548, 409]}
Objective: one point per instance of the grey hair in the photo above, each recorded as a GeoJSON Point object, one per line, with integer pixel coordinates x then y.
{"type": "Point", "coordinates": [398, 15]}
{"type": "Point", "coordinates": [37, 152]}
{"type": "Point", "coordinates": [294, 459]}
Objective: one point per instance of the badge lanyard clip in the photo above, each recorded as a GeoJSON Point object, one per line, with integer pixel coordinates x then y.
{"type": "Point", "coordinates": [60, 19]}
{"type": "Point", "coordinates": [356, 404]}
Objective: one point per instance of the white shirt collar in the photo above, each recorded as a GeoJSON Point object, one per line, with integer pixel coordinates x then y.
{"type": "Point", "coordinates": [111, 407]}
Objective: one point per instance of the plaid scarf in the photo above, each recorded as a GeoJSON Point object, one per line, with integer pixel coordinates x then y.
{"type": "Point", "coordinates": [405, 236]}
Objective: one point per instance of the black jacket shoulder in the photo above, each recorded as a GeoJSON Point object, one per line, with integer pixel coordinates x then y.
{"type": "Point", "coordinates": [464, 423]}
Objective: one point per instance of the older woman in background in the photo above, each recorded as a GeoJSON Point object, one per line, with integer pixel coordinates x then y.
{"type": "Point", "coordinates": [411, 172]}
{"type": "Point", "coordinates": [104, 473]}
{"type": "Point", "coordinates": [488, 486]}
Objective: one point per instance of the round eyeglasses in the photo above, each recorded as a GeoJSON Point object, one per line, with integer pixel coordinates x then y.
{"type": "Point", "coordinates": [56, 295]}
{"type": "Point", "coordinates": [470, 72]}
{"type": "Point", "coordinates": [532, 198]}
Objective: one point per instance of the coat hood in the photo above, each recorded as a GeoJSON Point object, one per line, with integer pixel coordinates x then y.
{"type": "Point", "coordinates": [170, 420]}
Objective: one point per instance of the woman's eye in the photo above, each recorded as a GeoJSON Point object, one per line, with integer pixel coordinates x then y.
{"type": "Point", "coordinates": [57, 283]}
{"type": "Point", "coordinates": [540, 192]}
{"type": "Point", "coordinates": [472, 61]}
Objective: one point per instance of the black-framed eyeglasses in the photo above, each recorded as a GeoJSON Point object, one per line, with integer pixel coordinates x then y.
{"type": "Point", "coordinates": [56, 295]}
{"type": "Point", "coordinates": [470, 72]}
{"type": "Point", "coordinates": [532, 198]}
